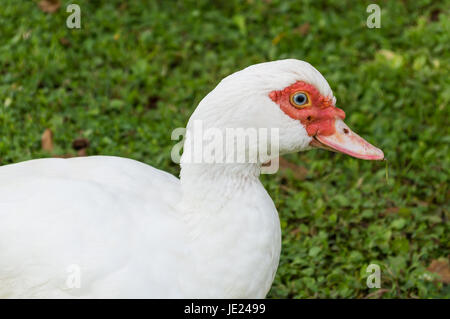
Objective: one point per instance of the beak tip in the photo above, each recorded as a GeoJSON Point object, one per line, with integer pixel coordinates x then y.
{"type": "Point", "coordinates": [380, 155]}
{"type": "Point", "coordinates": [382, 158]}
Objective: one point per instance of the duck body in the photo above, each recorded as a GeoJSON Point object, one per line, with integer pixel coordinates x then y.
{"type": "Point", "coordinates": [118, 225]}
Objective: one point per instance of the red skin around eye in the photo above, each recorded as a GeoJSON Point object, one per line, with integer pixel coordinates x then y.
{"type": "Point", "coordinates": [318, 118]}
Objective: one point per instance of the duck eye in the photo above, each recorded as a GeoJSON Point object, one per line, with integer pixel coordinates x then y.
{"type": "Point", "coordinates": [299, 99]}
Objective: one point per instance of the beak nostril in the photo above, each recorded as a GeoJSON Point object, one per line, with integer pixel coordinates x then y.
{"type": "Point", "coordinates": [346, 131]}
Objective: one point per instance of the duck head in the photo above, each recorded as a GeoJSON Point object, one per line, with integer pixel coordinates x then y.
{"type": "Point", "coordinates": [290, 95]}
{"type": "Point", "coordinates": [322, 120]}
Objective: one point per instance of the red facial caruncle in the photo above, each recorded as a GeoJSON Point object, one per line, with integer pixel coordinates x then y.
{"type": "Point", "coordinates": [323, 121]}
{"type": "Point", "coordinates": [317, 115]}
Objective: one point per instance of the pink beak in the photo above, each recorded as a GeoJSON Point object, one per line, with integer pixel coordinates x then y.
{"type": "Point", "coordinates": [344, 140]}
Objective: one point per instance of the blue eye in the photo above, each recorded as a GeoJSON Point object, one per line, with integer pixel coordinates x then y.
{"type": "Point", "coordinates": [299, 99]}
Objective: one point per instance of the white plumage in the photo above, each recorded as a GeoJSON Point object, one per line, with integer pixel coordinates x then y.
{"type": "Point", "coordinates": [135, 231]}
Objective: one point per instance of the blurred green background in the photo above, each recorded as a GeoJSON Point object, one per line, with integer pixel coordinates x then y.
{"type": "Point", "coordinates": [137, 69]}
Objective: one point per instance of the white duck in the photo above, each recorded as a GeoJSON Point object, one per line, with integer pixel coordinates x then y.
{"type": "Point", "coordinates": [110, 227]}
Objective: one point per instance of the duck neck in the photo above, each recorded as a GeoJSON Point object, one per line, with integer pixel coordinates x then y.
{"type": "Point", "coordinates": [207, 188]}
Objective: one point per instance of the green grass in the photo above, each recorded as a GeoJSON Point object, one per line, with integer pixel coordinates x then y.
{"type": "Point", "coordinates": [135, 71]}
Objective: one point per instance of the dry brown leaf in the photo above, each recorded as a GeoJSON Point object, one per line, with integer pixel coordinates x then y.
{"type": "Point", "coordinates": [377, 293]}
{"type": "Point", "coordinates": [391, 210]}
{"type": "Point", "coordinates": [299, 172]}
{"type": "Point", "coordinates": [152, 102]}
{"type": "Point", "coordinates": [435, 15]}
{"type": "Point", "coordinates": [80, 143]}
{"type": "Point", "coordinates": [49, 6]}
{"type": "Point", "coordinates": [47, 140]}
{"type": "Point", "coordinates": [82, 152]}
{"type": "Point", "coordinates": [441, 267]}
{"type": "Point", "coordinates": [65, 42]}
{"type": "Point", "coordinates": [295, 231]}
{"type": "Point", "coordinates": [303, 29]}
